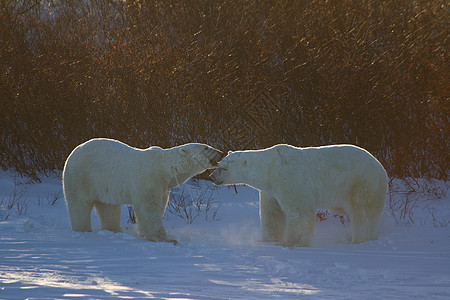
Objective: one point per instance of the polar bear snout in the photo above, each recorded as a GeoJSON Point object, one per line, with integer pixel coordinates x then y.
{"type": "Point", "coordinates": [217, 156]}
{"type": "Point", "coordinates": [213, 155]}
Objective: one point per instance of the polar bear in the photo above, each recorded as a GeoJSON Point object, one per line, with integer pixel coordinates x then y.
{"type": "Point", "coordinates": [105, 173]}
{"type": "Point", "coordinates": [295, 182]}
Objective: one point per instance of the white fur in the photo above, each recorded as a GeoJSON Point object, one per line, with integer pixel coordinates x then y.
{"type": "Point", "coordinates": [107, 173]}
{"type": "Point", "coordinates": [295, 182]}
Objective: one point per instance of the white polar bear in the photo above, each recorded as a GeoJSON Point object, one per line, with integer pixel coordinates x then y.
{"type": "Point", "coordinates": [105, 174]}
{"type": "Point", "coordinates": [295, 182]}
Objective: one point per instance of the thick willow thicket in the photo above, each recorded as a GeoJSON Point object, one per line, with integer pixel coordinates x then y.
{"type": "Point", "coordinates": [368, 72]}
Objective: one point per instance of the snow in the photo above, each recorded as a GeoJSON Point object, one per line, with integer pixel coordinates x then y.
{"type": "Point", "coordinates": [42, 258]}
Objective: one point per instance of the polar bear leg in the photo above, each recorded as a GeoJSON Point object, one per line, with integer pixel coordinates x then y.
{"type": "Point", "coordinates": [109, 216]}
{"type": "Point", "coordinates": [299, 227]}
{"type": "Point", "coordinates": [80, 215]}
{"type": "Point", "coordinates": [165, 200]}
{"type": "Point", "coordinates": [364, 224]}
{"type": "Point", "coordinates": [272, 218]}
{"type": "Point", "coordinates": [149, 222]}
{"type": "Point", "coordinates": [361, 230]}
{"type": "Point", "coordinates": [365, 213]}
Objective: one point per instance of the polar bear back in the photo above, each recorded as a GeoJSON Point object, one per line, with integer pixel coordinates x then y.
{"type": "Point", "coordinates": [110, 169]}
{"type": "Point", "coordinates": [330, 161]}
{"type": "Point", "coordinates": [332, 171]}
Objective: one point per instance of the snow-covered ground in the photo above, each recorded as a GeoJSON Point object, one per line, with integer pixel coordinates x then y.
{"type": "Point", "coordinates": [41, 258]}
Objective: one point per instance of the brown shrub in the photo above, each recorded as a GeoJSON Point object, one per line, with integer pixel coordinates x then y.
{"type": "Point", "coordinates": [372, 73]}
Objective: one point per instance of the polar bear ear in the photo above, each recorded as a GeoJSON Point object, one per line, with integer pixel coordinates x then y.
{"type": "Point", "coordinates": [229, 152]}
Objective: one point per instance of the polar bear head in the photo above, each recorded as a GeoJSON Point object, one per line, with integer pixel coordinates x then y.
{"type": "Point", "coordinates": [189, 160]}
{"type": "Point", "coordinates": [233, 169]}
{"type": "Point", "coordinates": [201, 155]}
